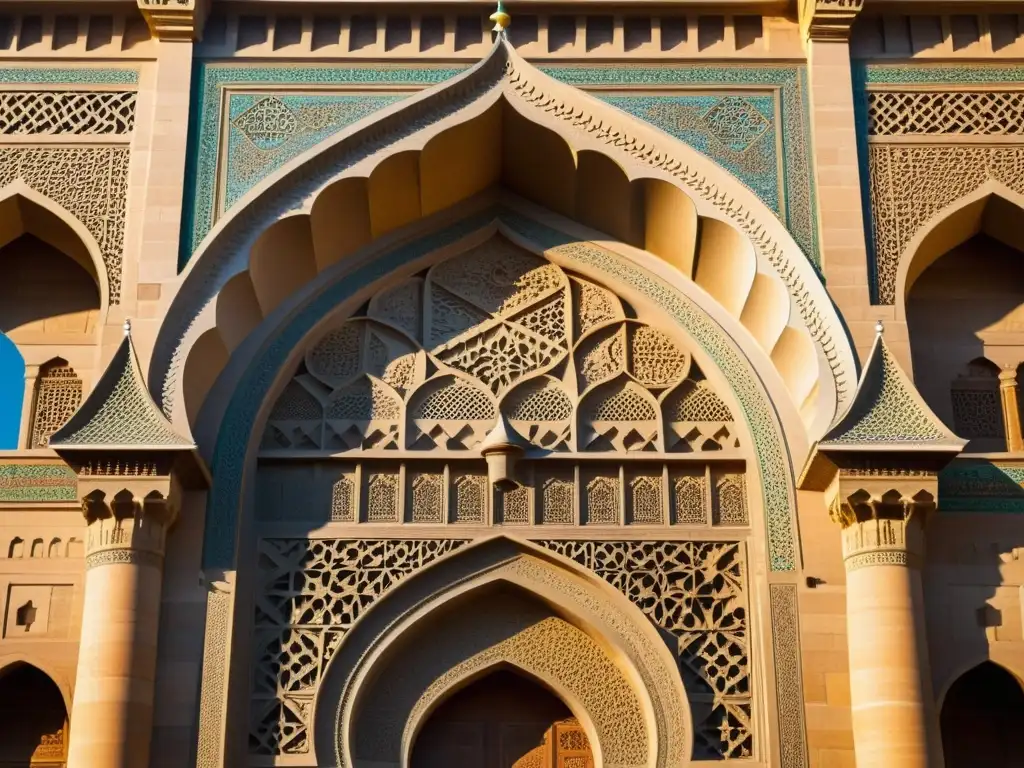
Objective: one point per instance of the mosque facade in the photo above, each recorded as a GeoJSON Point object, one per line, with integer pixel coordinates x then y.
{"type": "Point", "coordinates": [561, 385]}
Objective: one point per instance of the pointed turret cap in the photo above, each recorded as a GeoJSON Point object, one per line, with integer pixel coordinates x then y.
{"type": "Point", "coordinates": [887, 416]}
{"type": "Point", "coordinates": [119, 413]}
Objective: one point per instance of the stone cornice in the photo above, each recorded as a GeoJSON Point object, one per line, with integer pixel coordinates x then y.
{"type": "Point", "coordinates": [180, 20]}
{"type": "Point", "coordinates": [828, 20]}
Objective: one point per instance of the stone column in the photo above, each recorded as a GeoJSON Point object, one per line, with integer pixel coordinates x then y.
{"type": "Point", "coordinates": [1011, 409]}
{"type": "Point", "coordinates": [112, 710]}
{"type": "Point", "coordinates": [893, 707]}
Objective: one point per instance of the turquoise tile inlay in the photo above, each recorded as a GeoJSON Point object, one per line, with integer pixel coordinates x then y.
{"type": "Point", "coordinates": [214, 84]}
{"type": "Point", "coordinates": [265, 132]}
{"type": "Point", "coordinates": [737, 132]}
{"type": "Point", "coordinates": [729, 115]}
{"type": "Point", "coordinates": [720, 134]}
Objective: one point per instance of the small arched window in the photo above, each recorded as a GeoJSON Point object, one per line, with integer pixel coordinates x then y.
{"type": "Point", "coordinates": [58, 395]}
{"type": "Point", "coordinates": [977, 408]}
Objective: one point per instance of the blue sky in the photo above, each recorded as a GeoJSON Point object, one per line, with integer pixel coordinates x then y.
{"type": "Point", "coordinates": [12, 392]}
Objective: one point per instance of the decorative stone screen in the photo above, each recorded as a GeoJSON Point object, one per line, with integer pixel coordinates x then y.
{"type": "Point", "coordinates": [382, 425]}
{"type": "Point", "coordinates": [548, 492]}
{"type": "Point", "coordinates": [311, 592]}
{"type": "Point", "coordinates": [58, 395]}
{"type": "Point", "coordinates": [432, 361]}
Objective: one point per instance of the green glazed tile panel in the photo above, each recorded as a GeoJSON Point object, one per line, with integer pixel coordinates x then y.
{"type": "Point", "coordinates": [981, 486]}
{"type": "Point", "coordinates": [21, 482]}
{"type": "Point", "coordinates": [729, 115]}
{"type": "Point", "coordinates": [59, 76]}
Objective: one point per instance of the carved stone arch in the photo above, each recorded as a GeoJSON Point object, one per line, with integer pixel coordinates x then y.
{"type": "Point", "coordinates": [376, 164]}
{"type": "Point", "coordinates": [644, 691]}
{"type": "Point", "coordinates": [953, 225]}
{"type": "Point", "coordinates": [24, 210]}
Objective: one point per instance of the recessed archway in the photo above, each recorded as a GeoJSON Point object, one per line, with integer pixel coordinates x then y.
{"type": "Point", "coordinates": [33, 719]}
{"type": "Point", "coordinates": [981, 717]}
{"type": "Point", "coordinates": [964, 306]}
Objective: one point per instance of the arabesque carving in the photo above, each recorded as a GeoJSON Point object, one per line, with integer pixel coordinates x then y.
{"type": "Point", "coordinates": [58, 395]}
{"type": "Point", "coordinates": [498, 329]}
{"type": "Point", "coordinates": [911, 183]}
{"type": "Point", "coordinates": [98, 198]}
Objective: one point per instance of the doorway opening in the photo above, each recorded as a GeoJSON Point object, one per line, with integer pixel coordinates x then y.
{"type": "Point", "coordinates": [502, 720]}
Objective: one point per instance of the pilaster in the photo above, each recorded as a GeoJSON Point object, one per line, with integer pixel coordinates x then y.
{"type": "Point", "coordinates": [162, 141]}
{"type": "Point", "coordinates": [879, 466]}
{"type": "Point", "coordinates": [1011, 409]}
{"type": "Point", "coordinates": [825, 25]}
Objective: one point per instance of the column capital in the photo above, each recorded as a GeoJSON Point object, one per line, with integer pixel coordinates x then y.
{"type": "Point", "coordinates": [128, 515]}
{"type": "Point", "coordinates": [828, 20]}
{"type": "Point", "coordinates": [175, 19]}
{"type": "Point", "coordinates": [883, 518]}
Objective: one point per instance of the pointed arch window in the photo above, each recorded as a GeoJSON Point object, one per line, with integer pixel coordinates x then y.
{"type": "Point", "coordinates": [58, 394]}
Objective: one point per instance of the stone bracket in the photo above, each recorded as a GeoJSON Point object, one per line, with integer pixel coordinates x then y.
{"type": "Point", "coordinates": [828, 20]}
{"type": "Point", "coordinates": [175, 19]}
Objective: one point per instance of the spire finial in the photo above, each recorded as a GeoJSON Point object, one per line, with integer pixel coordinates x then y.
{"type": "Point", "coordinates": [127, 326]}
{"type": "Point", "coordinates": [500, 18]}
{"type": "Point", "coordinates": [879, 327]}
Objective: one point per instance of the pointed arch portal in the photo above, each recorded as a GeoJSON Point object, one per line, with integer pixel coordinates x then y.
{"type": "Point", "coordinates": [345, 255]}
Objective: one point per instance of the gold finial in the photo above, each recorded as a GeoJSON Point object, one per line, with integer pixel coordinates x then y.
{"type": "Point", "coordinates": [500, 18]}
{"type": "Point", "coordinates": [879, 327]}
{"type": "Point", "coordinates": [127, 326]}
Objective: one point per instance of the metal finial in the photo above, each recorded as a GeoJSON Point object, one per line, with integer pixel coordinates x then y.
{"type": "Point", "coordinates": [500, 18]}
{"type": "Point", "coordinates": [879, 327]}
{"type": "Point", "coordinates": [127, 326]}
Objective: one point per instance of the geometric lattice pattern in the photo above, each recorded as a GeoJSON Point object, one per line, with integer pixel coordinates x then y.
{"type": "Point", "coordinates": [312, 591]}
{"type": "Point", "coordinates": [496, 329]}
{"type": "Point", "coordinates": [58, 395]}
{"type": "Point", "coordinates": [78, 113]}
{"type": "Point", "coordinates": [98, 198]}
{"type": "Point", "coordinates": [310, 594]}
{"type": "Point", "coordinates": [979, 113]}
{"type": "Point", "coordinates": [978, 412]}
{"type": "Point", "coordinates": [694, 591]}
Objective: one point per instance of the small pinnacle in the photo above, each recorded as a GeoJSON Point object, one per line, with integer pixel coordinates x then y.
{"type": "Point", "coordinates": [879, 328]}
{"type": "Point", "coordinates": [127, 326]}
{"type": "Point", "coordinates": [500, 18]}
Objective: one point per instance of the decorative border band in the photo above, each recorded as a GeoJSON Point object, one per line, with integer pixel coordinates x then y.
{"type": "Point", "coordinates": [789, 689]}
{"type": "Point", "coordinates": [872, 557]}
{"type": "Point", "coordinates": [123, 556]}
{"type": "Point", "coordinates": [60, 76]}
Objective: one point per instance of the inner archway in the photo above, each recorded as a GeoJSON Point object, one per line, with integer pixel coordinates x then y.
{"type": "Point", "coordinates": [33, 719]}
{"type": "Point", "coordinates": [980, 720]}
{"type": "Point", "coordinates": [502, 720]}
